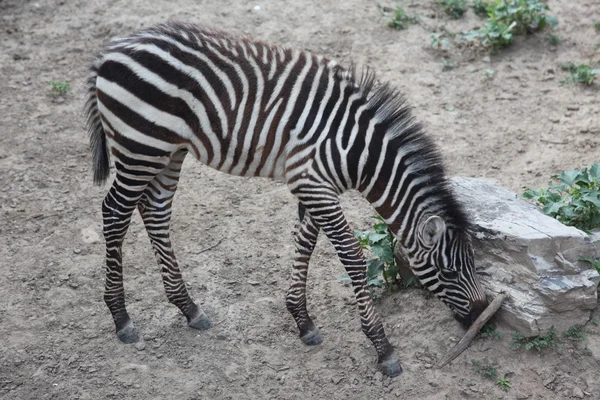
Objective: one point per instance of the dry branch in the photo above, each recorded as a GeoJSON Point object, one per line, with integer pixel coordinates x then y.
{"type": "Point", "coordinates": [473, 330]}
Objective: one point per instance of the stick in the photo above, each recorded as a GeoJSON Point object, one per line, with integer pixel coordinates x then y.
{"type": "Point", "coordinates": [473, 330]}
{"type": "Point", "coordinates": [210, 247]}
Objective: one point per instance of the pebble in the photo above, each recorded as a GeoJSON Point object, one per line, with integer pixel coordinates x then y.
{"type": "Point", "coordinates": [378, 376]}
{"type": "Point", "coordinates": [253, 283]}
{"type": "Point", "coordinates": [140, 346]}
{"type": "Point", "coordinates": [577, 393]}
{"type": "Point", "coordinates": [486, 59]}
{"type": "Point", "coordinates": [549, 380]}
{"type": "Point", "coordinates": [573, 108]}
{"type": "Point", "coordinates": [522, 396]}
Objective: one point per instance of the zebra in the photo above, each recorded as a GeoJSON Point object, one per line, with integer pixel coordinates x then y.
{"type": "Point", "coordinates": [249, 108]}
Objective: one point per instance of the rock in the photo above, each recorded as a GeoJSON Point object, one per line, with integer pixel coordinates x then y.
{"type": "Point", "coordinates": [140, 346]}
{"type": "Point", "coordinates": [532, 257]}
{"type": "Point", "coordinates": [523, 396]}
{"type": "Point", "coordinates": [486, 59]}
{"type": "Point", "coordinates": [89, 235]}
{"type": "Point", "coordinates": [577, 393]}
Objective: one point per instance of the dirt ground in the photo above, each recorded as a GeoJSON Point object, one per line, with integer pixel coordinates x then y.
{"type": "Point", "coordinates": [233, 235]}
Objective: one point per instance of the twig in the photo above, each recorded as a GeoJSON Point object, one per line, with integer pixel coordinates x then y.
{"type": "Point", "coordinates": [220, 322]}
{"type": "Point", "coordinates": [473, 330]}
{"type": "Point", "coordinates": [553, 142]}
{"type": "Point", "coordinates": [211, 246]}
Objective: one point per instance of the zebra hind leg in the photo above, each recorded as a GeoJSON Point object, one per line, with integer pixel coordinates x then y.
{"type": "Point", "coordinates": [155, 208]}
{"type": "Point", "coordinates": [327, 213]}
{"type": "Point", "coordinates": [305, 237]}
{"type": "Point", "coordinates": [117, 208]}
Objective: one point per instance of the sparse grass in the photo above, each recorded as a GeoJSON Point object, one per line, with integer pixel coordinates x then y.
{"type": "Point", "coordinates": [397, 17]}
{"type": "Point", "coordinates": [507, 18]}
{"type": "Point", "coordinates": [597, 26]}
{"type": "Point", "coordinates": [582, 73]}
{"type": "Point", "coordinates": [574, 201]}
{"type": "Point", "coordinates": [489, 74]}
{"type": "Point", "coordinates": [454, 8]}
{"type": "Point", "coordinates": [60, 88]}
{"type": "Point", "coordinates": [538, 343]}
{"type": "Point", "coordinates": [489, 331]}
{"type": "Point", "coordinates": [553, 40]}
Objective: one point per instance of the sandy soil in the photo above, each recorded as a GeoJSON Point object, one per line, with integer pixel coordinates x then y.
{"type": "Point", "coordinates": [56, 335]}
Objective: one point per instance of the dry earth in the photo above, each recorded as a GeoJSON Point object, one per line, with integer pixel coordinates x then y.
{"type": "Point", "coordinates": [56, 335]}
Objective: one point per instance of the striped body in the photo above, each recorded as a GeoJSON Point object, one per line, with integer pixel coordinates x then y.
{"type": "Point", "coordinates": [252, 109]}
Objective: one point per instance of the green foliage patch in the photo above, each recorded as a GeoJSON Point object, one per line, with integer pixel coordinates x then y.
{"type": "Point", "coordinates": [574, 200]}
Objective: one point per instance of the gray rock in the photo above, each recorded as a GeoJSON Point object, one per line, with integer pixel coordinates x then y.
{"type": "Point", "coordinates": [577, 393]}
{"type": "Point", "coordinates": [532, 257]}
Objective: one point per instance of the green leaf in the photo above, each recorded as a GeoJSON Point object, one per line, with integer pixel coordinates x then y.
{"type": "Point", "coordinates": [376, 237]}
{"type": "Point", "coordinates": [595, 171]}
{"type": "Point", "coordinates": [345, 277]}
{"type": "Point", "coordinates": [374, 268]}
{"type": "Point", "coordinates": [569, 177]}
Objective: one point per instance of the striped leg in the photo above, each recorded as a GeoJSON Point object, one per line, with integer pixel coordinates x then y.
{"type": "Point", "coordinates": [117, 208]}
{"type": "Point", "coordinates": [155, 209]}
{"type": "Point", "coordinates": [305, 237]}
{"type": "Point", "coordinates": [327, 213]}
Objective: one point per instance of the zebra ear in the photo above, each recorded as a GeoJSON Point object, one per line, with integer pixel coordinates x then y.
{"type": "Point", "coordinates": [432, 230]}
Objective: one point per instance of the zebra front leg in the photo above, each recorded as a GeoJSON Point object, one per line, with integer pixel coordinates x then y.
{"type": "Point", "coordinates": [305, 238]}
{"type": "Point", "coordinates": [155, 208]}
{"type": "Point", "coordinates": [327, 213]}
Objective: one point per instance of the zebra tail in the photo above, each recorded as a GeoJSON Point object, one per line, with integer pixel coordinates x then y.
{"type": "Point", "coordinates": [98, 145]}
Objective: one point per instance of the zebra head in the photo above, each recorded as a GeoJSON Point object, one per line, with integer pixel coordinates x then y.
{"type": "Point", "coordinates": [443, 259]}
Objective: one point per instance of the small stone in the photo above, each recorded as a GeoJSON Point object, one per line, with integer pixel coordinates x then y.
{"type": "Point", "coordinates": [253, 283]}
{"type": "Point", "coordinates": [89, 235]}
{"type": "Point", "coordinates": [549, 380]}
{"type": "Point", "coordinates": [486, 59]}
{"type": "Point", "coordinates": [523, 396]}
{"type": "Point", "coordinates": [336, 379]}
{"type": "Point", "coordinates": [256, 8]}
{"type": "Point", "coordinates": [77, 251]}
{"type": "Point", "coordinates": [221, 336]}
{"type": "Point", "coordinates": [573, 108]}
{"type": "Point", "coordinates": [428, 366]}
{"type": "Point", "coordinates": [73, 285]}
{"type": "Point", "coordinates": [140, 346]}
{"type": "Point", "coordinates": [577, 393]}
{"type": "Point", "coordinates": [378, 376]}
{"type": "Point", "coordinates": [59, 100]}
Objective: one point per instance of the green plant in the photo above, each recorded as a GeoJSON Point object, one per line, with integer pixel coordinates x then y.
{"type": "Point", "coordinates": [489, 331]}
{"type": "Point", "coordinates": [485, 369]}
{"type": "Point", "coordinates": [553, 40]}
{"type": "Point", "coordinates": [381, 244]}
{"type": "Point", "coordinates": [575, 333]}
{"type": "Point", "coordinates": [489, 74]}
{"type": "Point", "coordinates": [439, 41]}
{"type": "Point", "coordinates": [399, 19]}
{"type": "Point", "coordinates": [507, 18]}
{"type": "Point", "coordinates": [595, 264]}
{"type": "Point", "coordinates": [574, 201]}
{"type": "Point", "coordinates": [540, 342]}
{"type": "Point", "coordinates": [597, 26]}
{"type": "Point", "coordinates": [60, 88]}
{"type": "Point", "coordinates": [447, 65]}
{"type": "Point", "coordinates": [503, 383]}
{"type": "Point", "coordinates": [581, 73]}
{"type": "Point", "coordinates": [454, 8]}
{"type": "Point", "coordinates": [480, 7]}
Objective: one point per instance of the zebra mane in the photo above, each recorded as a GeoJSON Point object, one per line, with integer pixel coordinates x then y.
{"type": "Point", "coordinates": [394, 115]}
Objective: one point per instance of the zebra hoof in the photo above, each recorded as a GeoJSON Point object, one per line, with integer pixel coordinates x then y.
{"type": "Point", "coordinates": [312, 338]}
{"type": "Point", "coordinates": [200, 322]}
{"type": "Point", "coordinates": [128, 334]}
{"type": "Point", "coordinates": [390, 367]}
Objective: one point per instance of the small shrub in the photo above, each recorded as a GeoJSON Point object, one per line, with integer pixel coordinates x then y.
{"type": "Point", "coordinates": [60, 88]}
{"type": "Point", "coordinates": [480, 7]}
{"type": "Point", "coordinates": [548, 340]}
{"type": "Point", "coordinates": [574, 201]}
{"type": "Point", "coordinates": [447, 65]}
{"type": "Point", "coordinates": [485, 369]}
{"type": "Point", "coordinates": [503, 383]}
{"type": "Point", "coordinates": [575, 333]}
{"type": "Point", "coordinates": [454, 8]}
{"type": "Point", "coordinates": [489, 331]}
{"type": "Point", "coordinates": [507, 18]}
{"type": "Point", "coordinates": [553, 40]}
{"type": "Point", "coordinates": [399, 18]}
{"type": "Point", "coordinates": [439, 41]}
{"type": "Point", "coordinates": [597, 26]}
{"type": "Point", "coordinates": [581, 73]}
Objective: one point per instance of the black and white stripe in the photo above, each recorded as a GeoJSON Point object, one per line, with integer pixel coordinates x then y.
{"type": "Point", "coordinates": [252, 109]}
